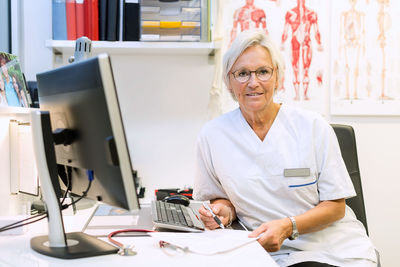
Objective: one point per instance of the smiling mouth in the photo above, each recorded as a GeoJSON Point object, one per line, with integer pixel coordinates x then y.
{"type": "Point", "coordinates": [254, 94]}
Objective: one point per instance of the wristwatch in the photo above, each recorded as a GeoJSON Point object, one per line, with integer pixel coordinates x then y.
{"type": "Point", "coordinates": [295, 232]}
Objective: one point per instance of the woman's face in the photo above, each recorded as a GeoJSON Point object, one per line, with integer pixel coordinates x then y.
{"type": "Point", "coordinates": [254, 95]}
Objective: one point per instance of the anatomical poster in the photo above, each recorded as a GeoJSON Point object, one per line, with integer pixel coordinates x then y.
{"type": "Point", "coordinates": [365, 63]}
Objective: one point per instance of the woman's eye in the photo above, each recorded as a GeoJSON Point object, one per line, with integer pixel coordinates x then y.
{"type": "Point", "coordinates": [243, 73]}
{"type": "Point", "coordinates": [263, 72]}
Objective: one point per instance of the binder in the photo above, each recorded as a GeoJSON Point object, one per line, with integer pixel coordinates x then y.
{"type": "Point", "coordinates": [80, 22]}
{"type": "Point", "coordinates": [131, 20]}
{"type": "Point", "coordinates": [121, 20]}
{"type": "Point", "coordinates": [59, 20]}
{"type": "Point", "coordinates": [87, 18]}
{"type": "Point", "coordinates": [103, 20]}
{"type": "Point", "coordinates": [71, 19]}
{"type": "Point", "coordinates": [112, 20]}
{"type": "Point", "coordinates": [95, 19]}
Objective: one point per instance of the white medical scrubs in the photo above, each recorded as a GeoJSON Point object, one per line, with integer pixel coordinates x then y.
{"type": "Point", "coordinates": [233, 163]}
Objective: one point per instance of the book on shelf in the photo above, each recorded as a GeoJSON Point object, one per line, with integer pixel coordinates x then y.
{"type": "Point", "coordinates": [131, 25]}
{"type": "Point", "coordinates": [71, 19]}
{"type": "Point", "coordinates": [112, 20]}
{"type": "Point", "coordinates": [102, 20]}
{"type": "Point", "coordinates": [59, 20]}
{"type": "Point", "coordinates": [80, 18]}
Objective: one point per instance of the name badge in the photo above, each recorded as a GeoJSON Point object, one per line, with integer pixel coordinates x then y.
{"type": "Point", "coordinates": [298, 172]}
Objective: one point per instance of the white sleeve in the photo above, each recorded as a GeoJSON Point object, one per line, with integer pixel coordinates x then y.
{"type": "Point", "coordinates": [206, 184]}
{"type": "Point", "coordinates": [334, 181]}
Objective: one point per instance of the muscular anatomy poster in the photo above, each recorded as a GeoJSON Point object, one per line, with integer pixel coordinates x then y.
{"type": "Point", "coordinates": [365, 57]}
{"type": "Point", "coordinates": [300, 28]}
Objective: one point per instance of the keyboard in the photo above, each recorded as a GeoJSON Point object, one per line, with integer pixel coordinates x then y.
{"type": "Point", "coordinates": [175, 217]}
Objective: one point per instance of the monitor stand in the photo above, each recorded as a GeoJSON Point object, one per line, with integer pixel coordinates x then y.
{"type": "Point", "coordinates": [57, 243]}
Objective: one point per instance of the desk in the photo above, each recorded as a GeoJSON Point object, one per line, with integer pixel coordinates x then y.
{"type": "Point", "coordinates": [16, 251]}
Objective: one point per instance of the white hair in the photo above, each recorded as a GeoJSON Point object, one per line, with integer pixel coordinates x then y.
{"type": "Point", "coordinates": [245, 40]}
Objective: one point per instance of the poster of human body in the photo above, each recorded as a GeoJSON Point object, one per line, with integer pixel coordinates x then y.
{"type": "Point", "coordinates": [300, 28]}
{"type": "Point", "coordinates": [365, 57]}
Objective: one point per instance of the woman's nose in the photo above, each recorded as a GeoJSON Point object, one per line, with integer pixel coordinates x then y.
{"type": "Point", "coordinates": [253, 80]}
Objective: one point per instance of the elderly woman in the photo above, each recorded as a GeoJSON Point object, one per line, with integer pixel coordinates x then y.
{"type": "Point", "coordinates": [277, 168]}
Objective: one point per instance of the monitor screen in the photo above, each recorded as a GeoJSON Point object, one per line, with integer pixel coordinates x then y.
{"type": "Point", "coordinates": [81, 99]}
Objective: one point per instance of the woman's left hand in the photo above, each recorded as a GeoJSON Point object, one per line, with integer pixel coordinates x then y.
{"type": "Point", "coordinates": [273, 233]}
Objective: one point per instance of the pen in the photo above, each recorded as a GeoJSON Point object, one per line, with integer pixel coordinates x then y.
{"type": "Point", "coordinates": [216, 219]}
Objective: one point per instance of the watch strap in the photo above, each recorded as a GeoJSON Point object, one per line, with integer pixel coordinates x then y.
{"type": "Point", "coordinates": [295, 232]}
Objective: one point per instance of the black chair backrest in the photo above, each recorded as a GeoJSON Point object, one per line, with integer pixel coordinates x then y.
{"type": "Point", "coordinates": [347, 142]}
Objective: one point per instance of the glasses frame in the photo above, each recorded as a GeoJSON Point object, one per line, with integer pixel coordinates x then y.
{"type": "Point", "coordinates": [255, 72]}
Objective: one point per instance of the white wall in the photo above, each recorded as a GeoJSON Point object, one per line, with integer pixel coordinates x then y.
{"type": "Point", "coordinates": [164, 103]}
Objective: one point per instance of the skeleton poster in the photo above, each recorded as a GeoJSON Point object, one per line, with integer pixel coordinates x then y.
{"type": "Point", "coordinates": [365, 57]}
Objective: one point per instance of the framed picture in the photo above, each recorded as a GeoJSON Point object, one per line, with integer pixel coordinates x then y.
{"type": "Point", "coordinates": [13, 91]}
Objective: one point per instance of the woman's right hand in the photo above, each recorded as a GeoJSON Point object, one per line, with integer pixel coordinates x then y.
{"type": "Point", "coordinates": [223, 212]}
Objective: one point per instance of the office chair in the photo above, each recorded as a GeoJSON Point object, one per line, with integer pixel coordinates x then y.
{"type": "Point", "coordinates": [347, 142]}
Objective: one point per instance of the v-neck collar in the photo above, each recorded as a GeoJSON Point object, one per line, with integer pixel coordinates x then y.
{"type": "Point", "coordinates": [248, 133]}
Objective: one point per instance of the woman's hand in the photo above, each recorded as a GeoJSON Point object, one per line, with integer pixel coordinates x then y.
{"type": "Point", "coordinates": [273, 233]}
{"type": "Point", "coordinates": [223, 212]}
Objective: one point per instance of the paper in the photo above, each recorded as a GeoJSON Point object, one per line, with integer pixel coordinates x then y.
{"type": "Point", "coordinates": [107, 219]}
{"type": "Point", "coordinates": [208, 242]}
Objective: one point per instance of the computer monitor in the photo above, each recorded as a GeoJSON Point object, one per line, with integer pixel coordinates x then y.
{"type": "Point", "coordinates": [80, 126]}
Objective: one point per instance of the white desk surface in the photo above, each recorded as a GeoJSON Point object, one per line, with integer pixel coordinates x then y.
{"type": "Point", "coordinates": [16, 251]}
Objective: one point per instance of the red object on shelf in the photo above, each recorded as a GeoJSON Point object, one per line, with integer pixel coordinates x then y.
{"type": "Point", "coordinates": [71, 19]}
{"type": "Point", "coordinates": [95, 19]}
{"type": "Point", "coordinates": [80, 21]}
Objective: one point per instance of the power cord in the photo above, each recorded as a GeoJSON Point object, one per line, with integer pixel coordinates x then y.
{"type": "Point", "coordinates": [69, 183]}
{"type": "Point", "coordinates": [18, 223]}
{"type": "Point", "coordinates": [44, 214]}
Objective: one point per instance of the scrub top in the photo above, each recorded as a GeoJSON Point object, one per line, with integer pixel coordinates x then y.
{"type": "Point", "coordinates": [233, 163]}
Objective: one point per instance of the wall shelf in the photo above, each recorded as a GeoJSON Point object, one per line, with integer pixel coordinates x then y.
{"type": "Point", "coordinates": [14, 110]}
{"type": "Point", "coordinates": [137, 48]}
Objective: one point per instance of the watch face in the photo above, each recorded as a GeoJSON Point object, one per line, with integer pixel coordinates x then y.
{"type": "Point", "coordinates": [294, 236]}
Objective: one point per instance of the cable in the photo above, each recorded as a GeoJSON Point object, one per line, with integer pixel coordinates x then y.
{"type": "Point", "coordinates": [44, 214]}
{"type": "Point", "coordinates": [84, 194]}
{"type": "Point", "coordinates": [69, 184]}
{"type": "Point", "coordinates": [37, 215]}
{"type": "Point", "coordinates": [90, 175]}
{"type": "Point", "coordinates": [14, 225]}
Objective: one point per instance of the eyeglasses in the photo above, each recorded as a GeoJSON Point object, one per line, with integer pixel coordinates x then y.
{"type": "Point", "coordinates": [262, 73]}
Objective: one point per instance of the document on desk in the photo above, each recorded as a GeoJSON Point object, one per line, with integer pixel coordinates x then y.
{"type": "Point", "coordinates": [208, 242]}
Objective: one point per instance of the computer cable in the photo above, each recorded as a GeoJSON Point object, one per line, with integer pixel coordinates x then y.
{"type": "Point", "coordinates": [44, 214]}
{"type": "Point", "coordinates": [18, 223]}
{"type": "Point", "coordinates": [69, 184]}
{"type": "Point", "coordinates": [90, 175]}
{"type": "Point", "coordinates": [84, 194]}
